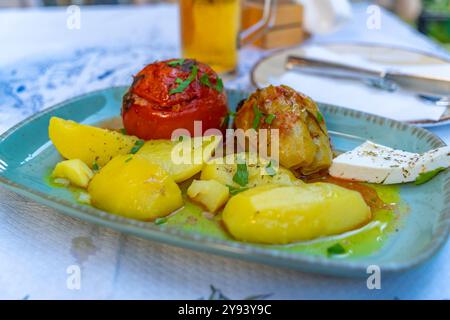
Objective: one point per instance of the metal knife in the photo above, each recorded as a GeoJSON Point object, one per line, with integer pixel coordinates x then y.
{"type": "Point", "coordinates": [418, 84]}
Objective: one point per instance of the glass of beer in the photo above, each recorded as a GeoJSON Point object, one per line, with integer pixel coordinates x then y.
{"type": "Point", "coordinates": [210, 31]}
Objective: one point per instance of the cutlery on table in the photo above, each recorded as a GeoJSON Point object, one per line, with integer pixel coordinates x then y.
{"type": "Point", "coordinates": [431, 89]}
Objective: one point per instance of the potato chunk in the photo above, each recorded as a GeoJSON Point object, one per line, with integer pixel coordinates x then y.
{"type": "Point", "coordinates": [210, 193]}
{"type": "Point", "coordinates": [75, 170]}
{"type": "Point", "coordinates": [276, 214]}
{"type": "Point", "coordinates": [223, 171]}
{"type": "Point", "coordinates": [133, 187]}
{"type": "Point", "coordinates": [87, 143]}
{"type": "Point", "coordinates": [181, 160]}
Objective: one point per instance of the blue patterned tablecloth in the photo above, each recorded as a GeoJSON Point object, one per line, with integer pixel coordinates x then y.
{"type": "Point", "coordinates": [42, 63]}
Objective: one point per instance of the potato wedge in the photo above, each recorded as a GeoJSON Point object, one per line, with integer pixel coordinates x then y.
{"type": "Point", "coordinates": [133, 187]}
{"type": "Point", "coordinates": [275, 214]}
{"type": "Point", "coordinates": [75, 170]}
{"type": "Point", "coordinates": [181, 160]}
{"type": "Point", "coordinates": [87, 143]}
{"type": "Point", "coordinates": [219, 170]}
{"type": "Point", "coordinates": [209, 193]}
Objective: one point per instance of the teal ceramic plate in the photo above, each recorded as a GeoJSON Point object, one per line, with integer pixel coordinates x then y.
{"type": "Point", "coordinates": [27, 156]}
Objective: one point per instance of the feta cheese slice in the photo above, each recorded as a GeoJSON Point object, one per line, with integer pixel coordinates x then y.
{"type": "Point", "coordinates": [375, 163]}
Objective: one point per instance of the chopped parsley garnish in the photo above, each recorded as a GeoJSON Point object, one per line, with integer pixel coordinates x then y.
{"type": "Point", "coordinates": [123, 131]}
{"type": "Point", "coordinates": [319, 117]}
{"type": "Point", "coordinates": [185, 83]}
{"type": "Point", "coordinates": [204, 79]}
{"type": "Point", "coordinates": [241, 175]}
{"type": "Point", "coordinates": [95, 166]}
{"type": "Point", "coordinates": [270, 169]}
{"type": "Point", "coordinates": [234, 191]}
{"type": "Point", "coordinates": [219, 84]}
{"type": "Point", "coordinates": [129, 159]}
{"type": "Point", "coordinates": [137, 145]}
{"type": "Point", "coordinates": [175, 63]}
{"type": "Point", "coordinates": [258, 115]}
{"type": "Point", "coordinates": [227, 118]}
{"type": "Point", "coordinates": [159, 221]}
{"type": "Point", "coordinates": [427, 176]}
{"type": "Point", "coordinates": [269, 118]}
{"type": "Point", "coordinates": [336, 249]}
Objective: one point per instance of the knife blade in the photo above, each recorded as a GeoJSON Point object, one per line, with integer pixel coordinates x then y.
{"type": "Point", "coordinates": [416, 83]}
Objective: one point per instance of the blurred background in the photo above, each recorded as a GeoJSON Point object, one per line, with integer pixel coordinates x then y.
{"type": "Point", "coordinates": [431, 17]}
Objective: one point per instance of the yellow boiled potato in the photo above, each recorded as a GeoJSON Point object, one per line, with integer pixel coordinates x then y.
{"type": "Point", "coordinates": [219, 170]}
{"type": "Point", "coordinates": [211, 194]}
{"type": "Point", "coordinates": [170, 155]}
{"type": "Point", "coordinates": [75, 170]}
{"type": "Point", "coordinates": [87, 143]}
{"type": "Point", "coordinates": [275, 214]}
{"type": "Point", "coordinates": [133, 187]}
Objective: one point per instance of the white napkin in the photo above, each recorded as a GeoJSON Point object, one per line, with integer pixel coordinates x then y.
{"type": "Point", "coordinates": [399, 105]}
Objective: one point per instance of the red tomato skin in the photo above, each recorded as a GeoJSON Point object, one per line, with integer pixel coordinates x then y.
{"type": "Point", "coordinates": [150, 111]}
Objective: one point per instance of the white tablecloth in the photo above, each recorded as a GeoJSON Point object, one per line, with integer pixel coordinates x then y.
{"type": "Point", "coordinates": [41, 63]}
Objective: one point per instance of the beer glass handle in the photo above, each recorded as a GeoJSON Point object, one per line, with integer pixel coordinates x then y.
{"type": "Point", "coordinates": [254, 32]}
